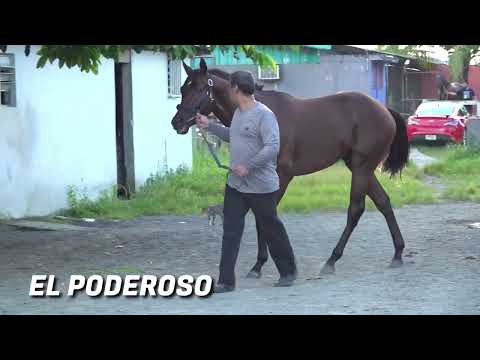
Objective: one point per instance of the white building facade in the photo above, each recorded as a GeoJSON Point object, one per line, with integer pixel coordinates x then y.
{"type": "Point", "coordinates": [57, 128]}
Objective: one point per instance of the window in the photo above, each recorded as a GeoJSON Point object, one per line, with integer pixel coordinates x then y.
{"type": "Point", "coordinates": [435, 109]}
{"type": "Point", "coordinates": [7, 80]}
{"type": "Point", "coordinates": [174, 77]}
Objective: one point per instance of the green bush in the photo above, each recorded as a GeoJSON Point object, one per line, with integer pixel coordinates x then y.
{"type": "Point", "coordinates": [182, 191]}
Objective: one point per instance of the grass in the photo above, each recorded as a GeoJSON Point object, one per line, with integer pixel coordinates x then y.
{"type": "Point", "coordinates": [436, 151]}
{"type": "Point", "coordinates": [180, 192]}
{"type": "Point", "coordinates": [330, 189]}
{"type": "Point", "coordinates": [186, 192]}
{"type": "Point", "coordinates": [460, 170]}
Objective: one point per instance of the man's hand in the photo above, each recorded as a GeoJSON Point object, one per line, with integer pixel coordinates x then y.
{"type": "Point", "coordinates": [240, 170]}
{"type": "Point", "coordinates": [202, 121]}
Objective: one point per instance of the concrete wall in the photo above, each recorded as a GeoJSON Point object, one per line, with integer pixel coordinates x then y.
{"type": "Point", "coordinates": [62, 131]}
{"type": "Point", "coordinates": [334, 73]}
{"type": "Point", "coordinates": [473, 133]}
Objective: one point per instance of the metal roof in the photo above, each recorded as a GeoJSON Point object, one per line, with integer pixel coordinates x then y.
{"type": "Point", "coordinates": [319, 47]}
{"type": "Point", "coordinates": [356, 49]}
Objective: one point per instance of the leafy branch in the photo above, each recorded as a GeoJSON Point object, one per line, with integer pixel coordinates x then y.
{"type": "Point", "coordinates": [88, 57]}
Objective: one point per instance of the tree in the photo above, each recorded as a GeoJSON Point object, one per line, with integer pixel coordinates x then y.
{"type": "Point", "coordinates": [413, 51]}
{"type": "Point", "coordinates": [459, 57]}
{"type": "Point", "coordinates": [88, 57]}
{"type": "Point", "coordinates": [459, 60]}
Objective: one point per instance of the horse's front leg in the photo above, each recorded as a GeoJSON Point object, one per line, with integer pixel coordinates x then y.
{"type": "Point", "coordinates": [262, 255]}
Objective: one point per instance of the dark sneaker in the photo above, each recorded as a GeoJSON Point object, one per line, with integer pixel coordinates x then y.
{"type": "Point", "coordinates": [222, 288]}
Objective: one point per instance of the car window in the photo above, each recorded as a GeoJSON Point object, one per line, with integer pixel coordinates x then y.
{"type": "Point", "coordinates": [435, 109]}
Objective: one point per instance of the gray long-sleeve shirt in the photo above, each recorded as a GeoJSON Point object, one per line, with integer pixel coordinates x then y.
{"type": "Point", "coordinates": [254, 139]}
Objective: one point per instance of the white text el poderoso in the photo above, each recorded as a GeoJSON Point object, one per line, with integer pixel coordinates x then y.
{"type": "Point", "coordinates": [128, 286]}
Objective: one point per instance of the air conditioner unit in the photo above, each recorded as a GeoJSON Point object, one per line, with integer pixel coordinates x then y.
{"type": "Point", "coordinates": [267, 73]}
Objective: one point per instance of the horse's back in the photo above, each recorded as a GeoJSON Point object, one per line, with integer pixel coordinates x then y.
{"type": "Point", "coordinates": [339, 116]}
{"type": "Point", "coordinates": [349, 108]}
{"type": "Point", "coordinates": [330, 127]}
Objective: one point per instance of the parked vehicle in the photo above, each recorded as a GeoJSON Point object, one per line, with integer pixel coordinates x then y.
{"type": "Point", "coordinates": [442, 121]}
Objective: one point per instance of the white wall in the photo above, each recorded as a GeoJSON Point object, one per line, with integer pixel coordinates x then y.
{"type": "Point", "coordinates": [62, 131]}
{"type": "Point", "coordinates": [152, 112]}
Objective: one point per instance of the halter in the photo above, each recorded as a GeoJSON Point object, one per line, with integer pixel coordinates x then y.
{"type": "Point", "coordinates": [197, 109]}
{"type": "Point", "coordinates": [208, 98]}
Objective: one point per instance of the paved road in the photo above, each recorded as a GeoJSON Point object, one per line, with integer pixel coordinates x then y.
{"type": "Point", "coordinates": [440, 276]}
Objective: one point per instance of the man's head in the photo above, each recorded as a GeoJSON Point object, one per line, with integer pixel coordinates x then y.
{"type": "Point", "coordinates": [242, 85]}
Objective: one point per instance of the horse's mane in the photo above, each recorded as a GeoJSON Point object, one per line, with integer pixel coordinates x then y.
{"type": "Point", "coordinates": [226, 76]}
{"type": "Point", "coordinates": [220, 73]}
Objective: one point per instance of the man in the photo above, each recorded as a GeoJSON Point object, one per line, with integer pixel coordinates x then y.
{"type": "Point", "coordinates": [254, 139]}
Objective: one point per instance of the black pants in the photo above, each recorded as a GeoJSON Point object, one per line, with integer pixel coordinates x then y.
{"type": "Point", "coordinates": [264, 207]}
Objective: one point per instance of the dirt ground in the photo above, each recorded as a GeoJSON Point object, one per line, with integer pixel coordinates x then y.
{"type": "Point", "coordinates": [440, 276]}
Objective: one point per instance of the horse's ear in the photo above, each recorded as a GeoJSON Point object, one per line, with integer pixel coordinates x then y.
{"type": "Point", "coordinates": [203, 66]}
{"type": "Point", "coordinates": [187, 68]}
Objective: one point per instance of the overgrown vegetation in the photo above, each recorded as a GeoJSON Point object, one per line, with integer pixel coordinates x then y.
{"type": "Point", "coordinates": [460, 170]}
{"type": "Point", "coordinates": [186, 192]}
{"type": "Point", "coordinates": [181, 192]}
{"type": "Point", "coordinates": [435, 151]}
{"type": "Point", "coordinates": [459, 57]}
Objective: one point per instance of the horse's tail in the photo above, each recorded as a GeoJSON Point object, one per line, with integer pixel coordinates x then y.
{"type": "Point", "coordinates": [399, 150]}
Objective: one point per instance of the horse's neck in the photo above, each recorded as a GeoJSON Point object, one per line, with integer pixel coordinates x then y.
{"type": "Point", "coordinates": [224, 109]}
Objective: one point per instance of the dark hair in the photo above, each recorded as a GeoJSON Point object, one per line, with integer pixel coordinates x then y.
{"type": "Point", "coordinates": [244, 80]}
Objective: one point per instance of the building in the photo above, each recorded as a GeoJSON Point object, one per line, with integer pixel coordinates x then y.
{"type": "Point", "coordinates": [319, 70]}
{"type": "Point", "coordinates": [58, 128]}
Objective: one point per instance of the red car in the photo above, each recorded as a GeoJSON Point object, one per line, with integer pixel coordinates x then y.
{"type": "Point", "coordinates": [438, 121]}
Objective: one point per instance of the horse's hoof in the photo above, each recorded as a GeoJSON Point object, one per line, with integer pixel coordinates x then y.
{"type": "Point", "coordinates": [327, 270]}
{"type": "Point", "coordinates": [396, 263]}
{"type": "Point", "coordinates": [254, 274]}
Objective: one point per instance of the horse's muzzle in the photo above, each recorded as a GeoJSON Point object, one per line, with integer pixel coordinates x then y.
{"type": "Point", "coordinates": [182, 126]}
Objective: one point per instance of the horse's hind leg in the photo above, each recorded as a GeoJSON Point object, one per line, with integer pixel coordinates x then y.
{"type": "Point", "coordinates": [382, 202]}
{"type": "Point", "coordinates": [360, 182]}
{"type": "Point", "coordinates": [262, 255]}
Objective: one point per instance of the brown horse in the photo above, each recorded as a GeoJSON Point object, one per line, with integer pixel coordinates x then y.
{"type": "Point", "coordinates": [314, 134]}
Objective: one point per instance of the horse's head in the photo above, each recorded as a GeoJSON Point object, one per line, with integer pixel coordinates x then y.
{"type": "Point", "coordinates": [197, 97]}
